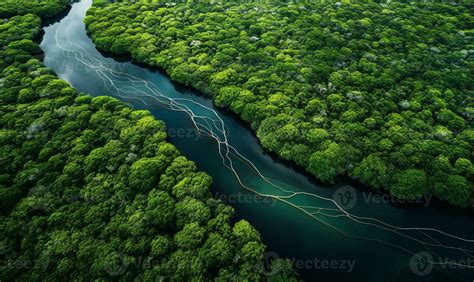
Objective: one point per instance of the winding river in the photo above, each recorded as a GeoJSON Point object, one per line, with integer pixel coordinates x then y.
{"type": "Point", "coordinates": [332, 233]}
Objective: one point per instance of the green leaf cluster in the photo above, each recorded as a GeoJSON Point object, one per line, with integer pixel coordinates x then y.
{"type": "Point", "coordinates": [42, 8]}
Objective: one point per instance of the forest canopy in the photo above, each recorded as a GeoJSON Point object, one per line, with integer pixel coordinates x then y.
{"type": "Point", "coordinates": [91, 190]}
{"type": "Point", "coordinates": [381, 92]}
{"type": "Point", "coordinates": [42, 8]}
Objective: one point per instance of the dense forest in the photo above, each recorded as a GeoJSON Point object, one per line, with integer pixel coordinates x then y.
{"type": "Point", "coordinates": [91, 190]}
{"type": "Point", "coordinates": [42, 8]}
{"type": "Point", "coordinates": [381, 92]}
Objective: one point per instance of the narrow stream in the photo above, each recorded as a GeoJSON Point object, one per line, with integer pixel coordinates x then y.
{"type": "Point", "coordinates": [333, 233]}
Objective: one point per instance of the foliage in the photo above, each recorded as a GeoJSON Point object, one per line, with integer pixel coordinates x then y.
{"type": "Point", "coordinates": [42, 8]}
{"type": "Point", "coordinates": [365, 89]}
{"type": "Point", "coordinates": [91, 190]}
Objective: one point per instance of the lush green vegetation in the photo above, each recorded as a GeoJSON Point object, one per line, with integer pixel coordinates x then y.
{"type": "Point", "coordinates": [380, 92]}
{"type": "Point", "coordinates": [91, 190]}
{"type": "Point", "coordinates": [42, 8]}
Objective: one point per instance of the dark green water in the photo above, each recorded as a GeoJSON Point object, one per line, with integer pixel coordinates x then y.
{"type": "Point", "coordinates": [322, 246]}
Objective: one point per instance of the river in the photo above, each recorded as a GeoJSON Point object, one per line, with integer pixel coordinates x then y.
{"type": "Point", "coordinates": [332, 233]}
